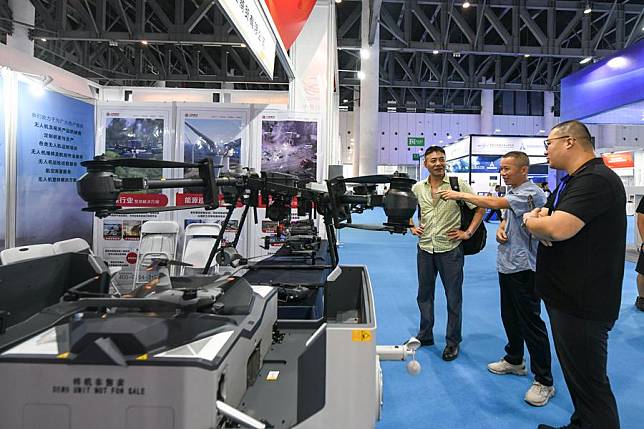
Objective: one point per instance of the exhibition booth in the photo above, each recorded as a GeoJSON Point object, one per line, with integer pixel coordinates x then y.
{"type": "Point", "coordinates": [477, 159]}
{"type": "Point", "coordinates": [609, 93]}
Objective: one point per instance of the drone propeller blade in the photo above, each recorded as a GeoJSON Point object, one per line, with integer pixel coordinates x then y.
{"type": "Point", "coordinates": [375, 178]}
{"type": "Point", "coordinates": [161, 262]}
{"type": "Point", "coordinates": [139, 210]}
{"type": "Point", "coordinates": [138, 163]}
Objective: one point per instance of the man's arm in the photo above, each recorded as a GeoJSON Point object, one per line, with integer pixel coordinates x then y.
{"type": "Point", "coordinates": [488, 202]}
{"type": "Point", "coordinates": [559, 226]}
{"type": "Point", "coordinates": [640, 224]}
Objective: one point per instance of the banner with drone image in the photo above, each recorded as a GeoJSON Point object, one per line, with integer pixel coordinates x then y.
{"type": "Point", "coordinates": [142, 132]}
{"type": "Point", "coordinates": [289, 144]}
{"type": "Point", "coordinates": [205, 131]}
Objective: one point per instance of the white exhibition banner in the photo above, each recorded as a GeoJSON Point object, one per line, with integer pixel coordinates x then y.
{"type": "Point", "coordinates": [500, 145]}
{"type": "Point", "coordinates": [126, 130]}
{"type": "Point", "coordinates": [221, 134]}
{"type": "Point", "coordinates": [250, 21]}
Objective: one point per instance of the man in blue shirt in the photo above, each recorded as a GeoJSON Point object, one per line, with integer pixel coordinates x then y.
{"type": "Point", "coordinates": [516, 264]}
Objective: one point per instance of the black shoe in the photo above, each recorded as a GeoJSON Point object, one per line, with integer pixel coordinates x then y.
{"type": "Point", "coordinates": [542, 426]}
{"type": "Point", "coordinates": [639, 303]}
{"type": "Point", "coordinates": [426, 343]}
{"type": "Point", "coordinates": [450, 352]}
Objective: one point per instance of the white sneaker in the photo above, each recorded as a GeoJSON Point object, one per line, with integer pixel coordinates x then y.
{"type": "Point", "coordinates": [538, 395]}
{"type": "Point", "coordinates": [504, 367]}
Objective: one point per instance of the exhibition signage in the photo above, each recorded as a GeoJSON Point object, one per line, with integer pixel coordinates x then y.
{"type": "Point", "coordinates": [251, 23]}
{"type": "Point", "coordinates": [415, 156]}
{"type": "Point", "coordinates": [613, 82]}
{"type": "Point", "coordinates": [619, 160]}
{"type": "Point", "coordinates": [500, 145]}
{"type": "Point", "coordinates": [55, 133]}
{"type": "Point", "coordinates": [289, 17]}
{"type": "Point", "coordinates": [416, 141]}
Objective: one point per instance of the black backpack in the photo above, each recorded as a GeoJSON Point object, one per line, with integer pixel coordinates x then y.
{"type": "Point", "coordinates": [476, 243]}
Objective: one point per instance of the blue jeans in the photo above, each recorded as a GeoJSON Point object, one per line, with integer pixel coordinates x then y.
{"type": "Point", "coordinates": [449, 265]}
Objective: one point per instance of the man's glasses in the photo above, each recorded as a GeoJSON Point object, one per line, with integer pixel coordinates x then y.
{"type": "Point", "coordinates": [547, 142]}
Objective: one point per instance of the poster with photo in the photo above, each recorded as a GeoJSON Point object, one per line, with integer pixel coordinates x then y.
{"type": "Point", "coordinates": [290, 146]}
{"type": "Point", "coordinates": [128, 131]}
{"type": "Point", "coordinates": [219, 134]}
{"type": "Point", "coordinates": [54, 134]}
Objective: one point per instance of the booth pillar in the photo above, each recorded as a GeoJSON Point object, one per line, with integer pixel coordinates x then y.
{"type": "Point", "coordinates": [23, 13]}
{"type": "Point", "coordinates": [313, 56]}
{"type": "Point", "coordinates": [355, 131]}
{"type": "Point", "coordinates": [369, 91]}
{"type": "Point", "coordinates": [487, 111]}
{"type": "Point", "coordinates": [548, 110]}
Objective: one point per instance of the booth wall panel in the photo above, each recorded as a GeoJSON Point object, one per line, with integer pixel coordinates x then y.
{"type": "Point", "coordinates": [383, 138]}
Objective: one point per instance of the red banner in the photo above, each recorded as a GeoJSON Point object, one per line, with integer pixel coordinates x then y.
{"type": "Point", "coordinates": [142, 200]}
{"type": "Point", "coordinates": [189, 199]}
{"type": "Point", "coordinates": [619, 160]}
{"type": "Point", "coordinates": [289, 17]}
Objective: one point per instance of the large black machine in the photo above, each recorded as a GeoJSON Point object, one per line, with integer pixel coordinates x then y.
{"type": "Point", "coordinates": [287, 342]}
{"type": "Point", "coordinates": [100, 188]}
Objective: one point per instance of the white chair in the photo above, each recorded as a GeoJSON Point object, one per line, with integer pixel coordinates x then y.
{"type": "Point", "coordinates": [73, 245]}
{"type": "Point", "coordinates": [199, 238]}
{"type": "Point", "coordinates": [158, 240]}
{"type": "Point", "coordinates": [78, 245]}
{"type": "Point", "coordinates": [23, 253]}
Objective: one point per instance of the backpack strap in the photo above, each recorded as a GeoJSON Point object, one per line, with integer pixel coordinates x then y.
{"type": "Point", "coordinates": [453, 182]}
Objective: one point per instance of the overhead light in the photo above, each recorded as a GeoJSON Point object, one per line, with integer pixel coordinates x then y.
{"type": "Point", "coordinates": [587, 9]}
{"type": "Point", "coordinates": [391, 101]}
{"type": "Point", "coordinates": [585, 60]}
{"type": "Point", "coordinates": [456, 54]}
{"type": "Point", "coordinates": [435, 51]}
{"type": "Point", "coordinates": [617, 62]}
{"type": "Point", "coordinates": [338, 1]}
{"type": "Point", "coordinates": [362, 75]}
{"type": "Point", "coordinates": [497, 130]}
{"type": "Point", "coordinates": [542, 131]}
{"type": "Point", "coordinates": [440, 141]}
{"type": "Point", "coordinates": [364, 53]}
{"type": "Point", "coordinates": [345, 100]}
{"type": "Point", "coordinates": [113, 43]}
{"type": "Point", "coordinates": [242, 45]}
{"type": "Point", "coordinates": [144, 42]}
{"type": "Point", "coordinates": [42, 39]}
{"type": "Point", "coordinates": [526, 56]}
{"type": "Point", "coordinates": [466, 5]}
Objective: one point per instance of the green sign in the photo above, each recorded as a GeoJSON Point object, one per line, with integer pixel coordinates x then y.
{"type": "Point", "coordinates": [415, 156]}
{"type": "Point", "coordinates": [416, 141]}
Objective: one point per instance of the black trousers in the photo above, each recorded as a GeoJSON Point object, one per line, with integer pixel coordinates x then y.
{"type": "Point", "coordinates": [521, 316]}
{"type": "Point", "coordinates": [582, 349]}
{"type": "Point", "coordinates": [491, 213]}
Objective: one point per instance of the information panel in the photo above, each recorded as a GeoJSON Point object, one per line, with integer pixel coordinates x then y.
{"type": "Point", "coordinates": [55, 133]}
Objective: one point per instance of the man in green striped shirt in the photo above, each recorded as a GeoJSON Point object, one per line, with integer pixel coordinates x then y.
{"type": "Point", "coordinates": [439, 250]}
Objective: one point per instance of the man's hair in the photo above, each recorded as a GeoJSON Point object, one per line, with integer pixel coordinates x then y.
{"type": "Point", "coordinates": [521, 157]}
{"type": "Point", "coordinates": [575, 129]}
{"type": "Point", "coordinates": [434, 149]}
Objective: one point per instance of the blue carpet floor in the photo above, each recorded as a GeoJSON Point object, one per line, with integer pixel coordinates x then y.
{"type": "Point", "coordinates": [463, 394]}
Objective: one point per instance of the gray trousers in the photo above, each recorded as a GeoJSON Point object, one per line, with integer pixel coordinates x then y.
{"type": "Point", "coordinates": [449, 265]}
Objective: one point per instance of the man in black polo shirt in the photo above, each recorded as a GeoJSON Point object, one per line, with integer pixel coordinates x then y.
{"type": "Point", "coordinates": [639, 301]}
{"type": "Point", "coordinates": [580, 268]}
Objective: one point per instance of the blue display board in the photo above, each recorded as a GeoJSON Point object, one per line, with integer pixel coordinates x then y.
{"type": "Point", "coordinates": [3, 192]}
{"type": "Point", "coordinates": [55, 134]}
{"type": "Point", "coordinates": [486, 164]}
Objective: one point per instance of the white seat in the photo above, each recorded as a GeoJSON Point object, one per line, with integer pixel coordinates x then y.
{"type": "Point", "coordinates": [73, 245]}
{"type": "Point", "coordinates": [158, 240]}
{"type": "Point", "coordinates": [78, 245]}
{"type": "Point", "coordinates": [199, 238]}
{"type": "Point", "coordinates": [23, 253]}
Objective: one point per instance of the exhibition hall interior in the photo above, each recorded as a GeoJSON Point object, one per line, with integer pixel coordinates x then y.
{"type": "Point", "coordinates": [310, 214]}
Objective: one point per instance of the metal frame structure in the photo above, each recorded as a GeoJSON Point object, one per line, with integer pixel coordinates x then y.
{"type": "Point", "coordinates": [438, 56]}
{"type": "Point", "coordinates": [435, 55]}
{"type": "Point", "coordinates": [142, 42]}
